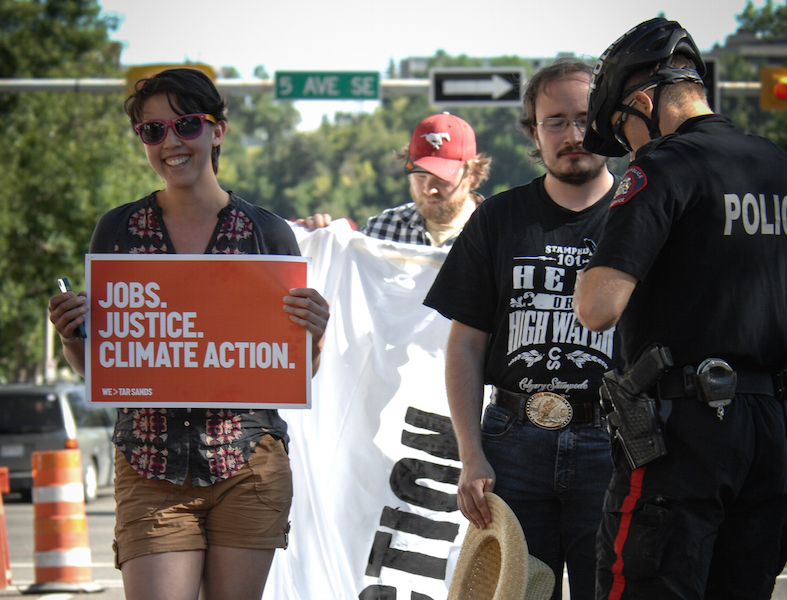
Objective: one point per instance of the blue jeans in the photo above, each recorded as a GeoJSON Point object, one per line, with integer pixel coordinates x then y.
{"type": "Point", "coordinates": [554, 481]}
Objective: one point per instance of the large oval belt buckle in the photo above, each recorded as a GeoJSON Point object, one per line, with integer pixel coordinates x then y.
{"type": "Point", "coordinates": [548, 410]}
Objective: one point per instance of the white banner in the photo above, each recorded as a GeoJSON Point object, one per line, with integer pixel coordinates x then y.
{"type": "Point", "coordinates": [374, 461]}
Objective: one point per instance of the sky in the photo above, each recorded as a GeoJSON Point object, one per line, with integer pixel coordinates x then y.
{"type": "Point", "coordinates": [365, 35]}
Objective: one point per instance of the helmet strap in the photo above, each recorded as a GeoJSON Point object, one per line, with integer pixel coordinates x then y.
{"type": "Point", "coordinates": [653, 122]}
{"type": "Point", "coordinates": [637, 113]}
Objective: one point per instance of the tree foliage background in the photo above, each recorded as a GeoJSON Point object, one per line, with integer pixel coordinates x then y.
{"type": "Point", "coordinates": [348, 168]}
{"type": "Point", "coordinates": [766, 24]}
{"type": "Point", "coordinates": [71, 156]}
{"type": "Point", "coordinates": [67, 158]}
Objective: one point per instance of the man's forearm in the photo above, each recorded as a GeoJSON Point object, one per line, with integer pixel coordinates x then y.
{"type": "Point", "coordinates": [464, 374]}
{"type": "Point", "coordinates": [600, 296]}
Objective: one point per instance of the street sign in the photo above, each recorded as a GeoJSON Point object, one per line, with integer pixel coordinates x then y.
{"type": "Point", "coordinates": [499, 86]}
{"type": "Point", "coordinates": [327, 85]}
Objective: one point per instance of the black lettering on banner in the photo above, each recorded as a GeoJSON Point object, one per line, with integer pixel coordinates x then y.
{"type": "Point", "coordinates": [378, 592]}
{"type": "Point", "coordinates": [386, 592]}
{"type": "Point", "coordinates": [421, 526]}
{"type": "Point", "coordinates": [403, 481]}
{"type": "Point", "coordinates": [407, 471]}
{"type": "Point", "coordinates": [382, 555]}
{"type": "Point", "coordinates": [442, 443]}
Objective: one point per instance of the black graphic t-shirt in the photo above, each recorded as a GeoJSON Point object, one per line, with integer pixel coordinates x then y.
{"type": "Point", "coordinates": [511, 274]}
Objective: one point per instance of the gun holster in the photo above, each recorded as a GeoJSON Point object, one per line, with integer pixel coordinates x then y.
{"type": "Point", "coordinates": [634, 421]}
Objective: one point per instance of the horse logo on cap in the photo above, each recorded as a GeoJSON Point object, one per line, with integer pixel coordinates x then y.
{"type": "Point", "coordinates": [436, 139]}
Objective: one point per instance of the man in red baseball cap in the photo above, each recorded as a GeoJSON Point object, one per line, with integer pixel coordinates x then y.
{"type": "Point", "coordinates": [444, 170]}
{"type": "Point", "coordinates": [441, 145]}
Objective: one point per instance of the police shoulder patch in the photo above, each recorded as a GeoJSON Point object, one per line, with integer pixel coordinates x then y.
{"type": "Point", "coordinates": [634, 179]}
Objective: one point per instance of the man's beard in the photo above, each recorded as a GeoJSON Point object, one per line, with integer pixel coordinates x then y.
{"type": "Point", "coordinates": [442, 213]}
{"type": "Point", "coordinates": [577, 173]}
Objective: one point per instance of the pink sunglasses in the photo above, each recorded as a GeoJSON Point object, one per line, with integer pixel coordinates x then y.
{"type": "Point", "coordinates": [186, 127]}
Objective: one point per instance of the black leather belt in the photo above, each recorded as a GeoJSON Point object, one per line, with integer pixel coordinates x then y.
{"type": "Point", "coordinates": [582, 411]}
{"type": "Point", "coordinates": [679, 383]}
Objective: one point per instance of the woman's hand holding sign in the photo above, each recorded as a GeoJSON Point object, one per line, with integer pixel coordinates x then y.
{"type": "Point", "coordinates": [310, 310]}
{"type": "Point", "coordinates": [66, 312]}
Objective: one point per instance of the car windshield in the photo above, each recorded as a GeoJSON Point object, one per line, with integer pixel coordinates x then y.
{"type": "Point", "coordinates": [30, 413]}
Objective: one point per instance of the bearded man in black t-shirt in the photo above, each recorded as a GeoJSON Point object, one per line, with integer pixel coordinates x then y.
{"type": "Point", "coordinates": [507, 285]}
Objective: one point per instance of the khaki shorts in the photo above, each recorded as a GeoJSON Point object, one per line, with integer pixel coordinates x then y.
{"type": "Point", "coordinates": [248, 510]}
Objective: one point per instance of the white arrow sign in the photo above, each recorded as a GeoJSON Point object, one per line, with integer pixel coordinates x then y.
{"type": "Point", "coordinates": [494, 86]}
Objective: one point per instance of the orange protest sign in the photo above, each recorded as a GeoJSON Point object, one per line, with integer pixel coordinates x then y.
{"type": "Point", "coordinates": [196, 330]}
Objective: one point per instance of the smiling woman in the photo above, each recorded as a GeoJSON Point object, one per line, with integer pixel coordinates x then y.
{"type": "Point", "coordinates": [202, 495]}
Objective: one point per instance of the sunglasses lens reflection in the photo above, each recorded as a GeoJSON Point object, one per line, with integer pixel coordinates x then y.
{"type": "Point", "coordinates": [152, 133]}
{"type": "Point", "coordinates": [186, 127]}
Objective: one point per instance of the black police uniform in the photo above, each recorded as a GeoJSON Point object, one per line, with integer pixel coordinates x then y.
{"type": "Point", "coordinates": [700, 219]}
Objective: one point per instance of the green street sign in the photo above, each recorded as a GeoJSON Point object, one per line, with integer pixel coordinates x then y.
{"type": "Point", "coordinates": [328, 85]}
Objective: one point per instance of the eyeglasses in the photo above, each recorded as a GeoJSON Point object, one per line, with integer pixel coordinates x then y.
{"type": "Point", "coordinates": [617, 128]}
{"type": "Point", "coordinates": [626, 110]}
{"type": "Point", "coordinates": [558, 124]}
{"type": "Point", "coordinates": [186, 127]}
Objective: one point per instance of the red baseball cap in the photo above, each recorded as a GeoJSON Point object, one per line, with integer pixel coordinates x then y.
{"type": "Point", "coordinates": [441, 144]}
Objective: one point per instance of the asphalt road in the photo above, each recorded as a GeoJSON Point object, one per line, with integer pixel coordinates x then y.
{"type": "Point", "coordinates": [100, 526]}
{"type": "Point", "coordinates": [101, 522]}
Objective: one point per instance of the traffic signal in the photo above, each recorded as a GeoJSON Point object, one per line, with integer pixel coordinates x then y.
{"type": "Point", "coordinates": [134, 74]}
{"type": "Point", "coordinates": [773, 90]}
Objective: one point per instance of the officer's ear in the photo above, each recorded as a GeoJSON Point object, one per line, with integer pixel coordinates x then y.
{"type": "Point", "coordinates": [643, 103]}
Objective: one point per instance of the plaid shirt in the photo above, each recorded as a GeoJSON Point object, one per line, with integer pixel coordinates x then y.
{"type": "Point", "coordinates": [403, 224]}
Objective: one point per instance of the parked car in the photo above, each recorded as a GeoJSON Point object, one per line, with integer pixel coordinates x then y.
{"type": "Point", "coordinates": [54, 417]}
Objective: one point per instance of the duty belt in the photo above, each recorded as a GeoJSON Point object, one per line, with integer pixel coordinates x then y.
{"type": "Point", "coordinates": [680, 383]}
{"type": "Point", "coordinates": [547, 410]}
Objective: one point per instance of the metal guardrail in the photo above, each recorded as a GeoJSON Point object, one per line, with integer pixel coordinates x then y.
{"type": "Point", "coordinates": [740, 88]}
{"type": "Point", "coordinates": [389, 87]}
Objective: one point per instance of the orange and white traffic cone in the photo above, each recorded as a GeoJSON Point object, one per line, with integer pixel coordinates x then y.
{"type": "Point", "coordinates": [5, 557]}
{"type": "Point", "coordinates": [62, 552]}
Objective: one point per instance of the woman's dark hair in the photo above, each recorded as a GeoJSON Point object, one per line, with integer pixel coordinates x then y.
{"type": "Point", "coordinates": [187, 90]}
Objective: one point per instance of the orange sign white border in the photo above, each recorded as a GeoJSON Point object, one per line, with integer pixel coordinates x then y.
{"type": "Point", "coordinates": [196, 330]}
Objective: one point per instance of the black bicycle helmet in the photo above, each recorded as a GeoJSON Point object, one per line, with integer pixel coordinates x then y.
{"type": "Point", "coordinates": [652, 42]}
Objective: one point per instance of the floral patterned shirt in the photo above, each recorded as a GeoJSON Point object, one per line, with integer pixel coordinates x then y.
{"type": "Point", "coordinates": [209, 445]}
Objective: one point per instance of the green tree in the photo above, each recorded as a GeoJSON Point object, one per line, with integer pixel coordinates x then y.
{"type": "Point", "coordinates": [766, 23]}
{"type": "Point", "coordinates": [344, 167]}
{"type": "Point", "coordinates": [68, 157]}
{"type": "Point", "coordinates": [348, 167]}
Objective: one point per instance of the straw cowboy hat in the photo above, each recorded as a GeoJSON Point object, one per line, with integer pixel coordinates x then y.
{"type": "Point", "coordinates": [494, 564]}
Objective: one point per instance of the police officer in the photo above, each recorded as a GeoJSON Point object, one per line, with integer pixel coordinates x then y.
{"type": "Point", "coordinates": [694, 257]}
